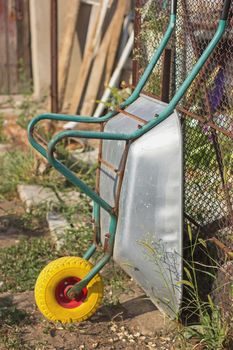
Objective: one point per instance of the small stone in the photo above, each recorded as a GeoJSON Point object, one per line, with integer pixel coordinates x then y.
{"type": "Point", "coordinates": [113, 328]}
{"type": "Point", "coordinates": [89, 157]}
{"type": "Point", "coordinates": [53, 332]}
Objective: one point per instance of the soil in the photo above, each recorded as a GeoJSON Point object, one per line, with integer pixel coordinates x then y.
{"type": "Point", "coordinates": [133, 323]}
{"type": "Point", "coordinates": [112, 327]}
{"type": "Point", "coordinates": [11, 224]}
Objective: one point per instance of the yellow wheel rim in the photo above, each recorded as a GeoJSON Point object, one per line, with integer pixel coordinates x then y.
{"type": "Point", "coordinates": [51, 278]}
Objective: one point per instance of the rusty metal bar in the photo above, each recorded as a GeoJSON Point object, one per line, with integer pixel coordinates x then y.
{"type": "Point", "coordinates": [195, 116]}
{"type": "Point", "coordinates": [40, 138]}
{"type": "Point", "coordinates": [212, 227]}
{"type": "Point", "coordinates": [97, 182]}
{"type": "Point", "coordinates": [222, 246]}
{"type": "Point", "coordinates": [166, 75]}
{"type": "Point", "coordinates": [203, 120]}
{"type": "Point", "coordinates": [121, 176]}
{"type": "Point", "coordinates": [108, 165]}
{"type": "Point", "coordinates": [132, 116]}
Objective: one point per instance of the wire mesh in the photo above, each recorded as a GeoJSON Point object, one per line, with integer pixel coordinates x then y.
{"type": "Point", "coordinates": [206, 110]}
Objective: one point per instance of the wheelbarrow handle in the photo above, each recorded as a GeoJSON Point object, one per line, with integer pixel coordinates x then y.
{"type": "Point", "coordinates": [226, 9]}
{"type": "Point", "coordinates": [174, 7]}
{"type": "Point", "coordinates": [68, 173]}
{"type": "Point", "coordinates": [61, 117]}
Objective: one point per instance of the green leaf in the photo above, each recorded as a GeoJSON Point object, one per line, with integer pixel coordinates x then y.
{"type": "Point", "coordinates": [188, 274]}
{"type": "Point", "coordinates": [187, 283]}
{"type": "Point", "coordinates": [190, 233]}
{"type": "Point", "coordinates": [202, 242]}
{"type": "Point", "coordinates": [211, 303]}
{"type": "Point", "coordinates": [147, 246]}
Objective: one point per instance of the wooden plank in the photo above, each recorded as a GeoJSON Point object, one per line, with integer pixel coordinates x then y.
{"type": "Point", "coordinates": [73, 7]}
{"type": "Point", "coordinates": [12, 46]}
{"type": "Point", "coordinates": [99, 63]}
{"type": "Point", "coordinates": [4, 84]}
{"type": "Point", "coordinates": [114, 43]}
{"type": "Point", "coordinates": [91, 26]}
{"type": "Point", "coordinates": [87, 59]}
{"type": "Point", "coordinates": [23, 47]}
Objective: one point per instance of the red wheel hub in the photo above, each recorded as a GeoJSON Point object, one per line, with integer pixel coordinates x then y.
{"type": "Point", "coordinates": [61, 293]}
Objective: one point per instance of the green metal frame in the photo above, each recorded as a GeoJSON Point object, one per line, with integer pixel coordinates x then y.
{"type": "Point", "coordinates": [98, 201]}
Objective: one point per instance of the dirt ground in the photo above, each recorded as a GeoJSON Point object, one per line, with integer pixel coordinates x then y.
{"type": "Point", "coordinates": [110, 328]}
{"type": "Point", "coordinates": [132, 323]}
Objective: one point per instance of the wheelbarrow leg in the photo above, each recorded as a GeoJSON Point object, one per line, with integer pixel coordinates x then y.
{"type": "Point", "coordinates": [77, 288]}
{"type": "Point", "coordinates": [91, 250]}
{"type": "Point", "coordinates": [109, 242]}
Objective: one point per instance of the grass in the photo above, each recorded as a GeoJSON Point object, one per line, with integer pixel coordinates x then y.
{"type": "Point", "coordinates": [3, 137]}
{"type": "Point", "coordinates": [9, 314]}
{"type": "Point", "coordinates": [16, 167]}
{"type": "Point", "coordinates": [212, 328]}
{"type": "Point", "coordinates": [21, 264]}
{"type": "Point", "coordinates": [205, 322]}
{"type": "Point", "coordinates": [20, 166]}
{"type": "Point", "coordinates": [11, 321]}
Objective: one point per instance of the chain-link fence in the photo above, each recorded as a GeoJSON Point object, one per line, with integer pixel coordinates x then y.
{"type": "Point", "coordinates": [206, 110]}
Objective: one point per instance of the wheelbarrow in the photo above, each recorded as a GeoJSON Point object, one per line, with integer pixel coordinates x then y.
{"type": "Point", "coordinates": [138, 200]}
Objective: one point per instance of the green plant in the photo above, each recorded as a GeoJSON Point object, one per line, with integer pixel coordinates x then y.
{"type": "Point", "coordinates": [3, 137]}
{"type": "Point", "coordinates": [34, 218]}
{"type": "Point", "coordinates": [150, 35]}
{"type": "Point", "coordinates": [20, 166]}
{"type": "Point", "coordinates": [212, 329]}
{"type": "Point", "coordinates": [117, 97]}
{"type": "Point", "coordinates": [21, 264]}
{"type": "Point", "coordinates": [10, 315]}
{"type": "Point", "coordinates": [117, 282]}
{"type": "Point", "coordinates": [16, 167]}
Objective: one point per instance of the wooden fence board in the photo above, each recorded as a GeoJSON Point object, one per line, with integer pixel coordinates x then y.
{"type": "Point", "coordinates": [87, 59]}
{"type": "Point", "coordinates": [23, 47]}
{"type": "Point", "coordinates": [12, 46]}
{"type": "Point", "coordinates": [73, 7]}
{"type": "Point", "coordinates": [4, 85]}
{"type": "Point", "coordinates": [15, 60]}
{"type": "Point", "coordinates": [113, 32]}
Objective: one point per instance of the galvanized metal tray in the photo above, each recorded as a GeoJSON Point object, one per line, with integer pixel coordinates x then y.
{"type": "Point", "coordinates": [148, 243]}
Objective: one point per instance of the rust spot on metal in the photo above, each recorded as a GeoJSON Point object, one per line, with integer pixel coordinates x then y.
{"type": "Point", "coordinates": [106, 242]}
{"type": "Point", "coordinates": [108, 165]}
{"type": "Point", "coordinates": [132, 116]}
{"type": "Point", "coordinates": [222, 247]}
